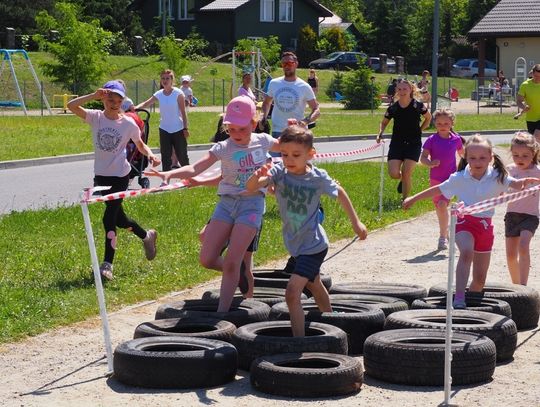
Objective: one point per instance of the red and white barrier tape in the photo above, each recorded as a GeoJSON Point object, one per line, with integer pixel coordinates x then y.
{"type": "Point", "coordinates": [359, 151]}
{"type": "Point", "coordinates": [87, 195]}
{"type": "Point", "coordinates": [482, 206]}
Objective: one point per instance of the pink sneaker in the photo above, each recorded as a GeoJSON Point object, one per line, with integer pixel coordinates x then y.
{"type": "Point", "coordinates": [149, 243]}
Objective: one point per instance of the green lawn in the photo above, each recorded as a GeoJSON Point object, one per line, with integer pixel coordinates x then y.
{"type": "Point", "coordinates": [45, 279]}
{"type": "Point", "coordinates": [31, 137]}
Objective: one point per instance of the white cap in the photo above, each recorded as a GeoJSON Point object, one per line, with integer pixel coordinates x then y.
{"type": "Point", "coordinates": [186, 78]}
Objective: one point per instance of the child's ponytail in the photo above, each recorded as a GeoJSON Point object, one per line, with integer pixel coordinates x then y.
{"type": "Point", "coordinates": [462, 164]}
{"type": "Point", "coordinates": [499, 166]}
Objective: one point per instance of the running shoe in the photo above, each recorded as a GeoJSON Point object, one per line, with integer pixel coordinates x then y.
{"type": "Point", "coordinates": [149, 243]}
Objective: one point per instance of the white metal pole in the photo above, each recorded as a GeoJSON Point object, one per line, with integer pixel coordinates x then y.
{"type": "Point", "coordinates": [382, 182]}
{"type": "Point", "coordinates": [37, 82]}
{"type": "Point", "coordinates": [449, 306]}
{"type": "Point", "coordinates": [99, 286]}
{"type": "Point", "coordinates": [18, 88]}
{"type": "Point", "coordinates": [233, 69]}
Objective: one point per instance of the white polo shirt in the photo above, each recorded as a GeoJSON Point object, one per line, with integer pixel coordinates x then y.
{"type": "Point", "coordinates": [471, 190]}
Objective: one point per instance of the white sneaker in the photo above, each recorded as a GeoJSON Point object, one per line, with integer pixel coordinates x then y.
{"type": "Point", "coordinates": [442, 243]}
{"type": "Point", "coordinates": [149, 243]}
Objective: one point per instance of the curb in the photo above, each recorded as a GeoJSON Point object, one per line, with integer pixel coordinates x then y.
{"type": "Point", "coordinates": [32, 162]}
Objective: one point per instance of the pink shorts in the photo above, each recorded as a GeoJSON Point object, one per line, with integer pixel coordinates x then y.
{"type": "Point", "coordinates": [481, 230]}
{"type": "Point", "coordinates": [436, 199]}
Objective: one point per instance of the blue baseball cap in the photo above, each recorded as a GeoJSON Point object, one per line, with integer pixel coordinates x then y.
{"type": "Point", "coordinates": [116, 87]}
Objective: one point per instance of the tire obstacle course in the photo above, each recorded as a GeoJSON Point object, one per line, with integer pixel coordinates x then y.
{"type": "Point", "coordinates": [399, 345]}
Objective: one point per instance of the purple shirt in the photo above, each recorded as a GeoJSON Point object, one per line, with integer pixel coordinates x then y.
{"type": "Point", "coordinates": [443, 149]}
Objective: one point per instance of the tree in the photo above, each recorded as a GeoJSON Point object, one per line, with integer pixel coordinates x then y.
{"type": "Point", "coordinates": [306, 49]}
{"type": "Point", "coordinates": [80, 52]}
{"type": "Point", "coordinates": [269, 46]}
{"type": "Point", "coordinates": [21, 14]}
{"type": "Point", "coordinates": [335, 39]}
{"type": "Point", "coordinates": [172, 54]}
{"type": "Point", "coordinates": [359, 91]}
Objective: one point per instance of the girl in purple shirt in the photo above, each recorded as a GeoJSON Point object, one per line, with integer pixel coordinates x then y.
{"type": "Point", "coordinates": [439, 154]}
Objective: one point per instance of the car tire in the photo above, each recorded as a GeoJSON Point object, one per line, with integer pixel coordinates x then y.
{"type": "Point", "coordinates": [407, 292]}
{"type": "Point", "coordinates": [269, 295]}
{"type": "Point", "coordinates": [175, 362]}
{"type": "Point", "coordinates": [272, 337]}
{"type": "Point", "coordinates": [307, 375]}
{"type": "Point", "coordinates": [386, 304]}
{"type": "Point", "coordinates": [501, 330]}
{"type": "Point", "coordinates": [193, 327]}
{"type": "Point", "coordinates": [474, 303]}
{"type": "Point", "coordinates": [416, 357]}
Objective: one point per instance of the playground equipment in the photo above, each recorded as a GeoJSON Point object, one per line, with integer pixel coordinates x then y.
{"type": "Point", "coordinates": [521, 72]}
{"type": "Point", "coordinates": [65, 99]}
{"type": "Point", "coordinates": [6, 55]}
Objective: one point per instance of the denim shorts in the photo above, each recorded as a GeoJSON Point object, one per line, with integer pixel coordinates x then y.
{"type": "Point", "coordinates": [247, 210]}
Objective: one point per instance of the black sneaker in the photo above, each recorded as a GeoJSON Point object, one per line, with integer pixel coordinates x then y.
{"type": "Point", "coordinates": [243, 284]}
{"type": "Point", "coordinates": [400, 187]}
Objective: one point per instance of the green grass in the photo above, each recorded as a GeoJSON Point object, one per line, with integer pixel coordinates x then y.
{"type": "Point", "coordinates": [45, 278]}
{"type": "Point", "coordinates": [141, 74]}
{"type": "Point", "coordinates": [32, 137]}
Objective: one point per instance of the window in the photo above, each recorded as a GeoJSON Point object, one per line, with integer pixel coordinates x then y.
{"type": "Point", "coordinates": [168, 6]}
{"type": "Point", "coordinates": [286, 11]}
{"type": "Point", "coordinates": [184, 6]}
{"type": "Point", "coordinates": [267, 10]}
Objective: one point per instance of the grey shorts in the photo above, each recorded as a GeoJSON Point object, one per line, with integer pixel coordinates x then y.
{"type": "Point", "coordinates": [247, 210]}
{"type": "Point", "coordinates": [515, 222]}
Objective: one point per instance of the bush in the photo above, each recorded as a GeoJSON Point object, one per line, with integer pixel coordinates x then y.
{"type": "Point", "coordinates": [336, 85]}
{"type": "Point", "coordinates": [269, 46]}
{"type": "Point", "coordinates": [335, 39]}
{"type": "Point", "coordinates": [119, 45]}
{"type": "Point", "coordinates": [172, 54]}
{"type": "Point", "coordinates": [194, 47]}
{"type": "Point", "coordinates": [359, 90]}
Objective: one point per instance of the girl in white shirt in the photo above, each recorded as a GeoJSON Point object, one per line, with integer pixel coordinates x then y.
{"type": "Point", "coordinates": [477, 179]}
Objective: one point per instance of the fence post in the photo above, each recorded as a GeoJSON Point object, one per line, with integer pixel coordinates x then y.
{"type": "Point", "coordinates": [223, 95]}
{"type": "Point", "coordinates": [41, 97]}
{"type": "Point", "coordinates": [213, 91]}
{"type": "Point", "coordinates": [136, 91]}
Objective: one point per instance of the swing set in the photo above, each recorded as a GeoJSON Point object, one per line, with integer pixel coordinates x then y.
{"type": "Point", "coordinates": [6, 55]}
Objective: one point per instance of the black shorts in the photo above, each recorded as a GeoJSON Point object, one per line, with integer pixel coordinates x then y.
{"type": "Point", "coordinates": [532, 126]}
{"type": "Point", "coordinates": [404, 151]}
{"type": "Point", "coordinates": [309, 265]}
{"type": "Point", "coordinates": [515, 222]}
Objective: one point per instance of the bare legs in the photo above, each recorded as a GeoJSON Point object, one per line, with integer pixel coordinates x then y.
{"type": "Point", "coordinates": [215, 238]}
{"type": "Point", "coordinates": [442, 215]}
{"type": "Point", "coordinates": [518, 257]}
{"type": "Point", "coordinates": [403, 171]}
{"type": "Point", "coordinates": [293, 296]}
{"type": "Point", "coordinates": [468, 257]}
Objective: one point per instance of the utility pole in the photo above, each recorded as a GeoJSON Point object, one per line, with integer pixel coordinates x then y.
{"type": "Point", "coordinates": [435, 56]}
{"type": "Point", "coordinates": [163, 17]}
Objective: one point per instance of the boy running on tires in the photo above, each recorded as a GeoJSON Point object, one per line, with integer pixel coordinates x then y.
{"type": "Point", "coordinates": [298, 188]}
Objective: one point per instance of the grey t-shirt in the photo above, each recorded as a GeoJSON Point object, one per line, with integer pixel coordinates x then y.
{"type": "Point", "coordinates": [298, 197]}
{"type": "Point", "coordinates": [238, 162]}
{"type": "Point", "coordinates": [110, 139]}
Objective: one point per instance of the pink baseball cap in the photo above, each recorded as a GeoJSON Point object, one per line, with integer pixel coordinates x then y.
{"type": "Point", "coordinates": [240, 111]}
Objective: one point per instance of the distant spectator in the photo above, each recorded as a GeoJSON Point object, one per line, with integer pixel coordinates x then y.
{"type": "Point", "coordinates": [528, 99]}
{"type": "Point", "coordinates": [391, 91]}
{"type": "Point", "coordinates": [501, 78]}
{"type": "Point", "coordinates": [423, 87]}
{"type": "Point", "coordinates": [313, 81]}
{"type": "Point", "coordinates": [187, 91]}
{"type": "Point", "coordinates": [245, 88]}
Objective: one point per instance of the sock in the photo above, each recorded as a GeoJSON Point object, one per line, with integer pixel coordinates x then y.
{"type": "Point", "coordinates": [460, 296]}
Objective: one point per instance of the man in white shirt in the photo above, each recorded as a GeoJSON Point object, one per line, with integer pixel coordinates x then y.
{"type": "Point", "coordinates": [290, 95]}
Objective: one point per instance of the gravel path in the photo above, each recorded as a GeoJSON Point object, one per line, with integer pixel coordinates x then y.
{"type": "Point", "coordinates": [65, 367]}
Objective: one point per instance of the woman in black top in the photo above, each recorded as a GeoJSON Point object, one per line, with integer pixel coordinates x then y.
{"type": "Point", "coordinates": [406, 142]}
{"type": "Point", "coordinates": [313, 81]}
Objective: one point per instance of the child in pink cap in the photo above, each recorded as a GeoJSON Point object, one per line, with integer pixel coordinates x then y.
{"type": "Point", "coordinates": [439, 154]}
{"type": "Point", "coordinates": [238, 214]}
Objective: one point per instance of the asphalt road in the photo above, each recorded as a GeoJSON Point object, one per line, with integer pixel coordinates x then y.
{"type": "Point", "coordinates": [52, 185]}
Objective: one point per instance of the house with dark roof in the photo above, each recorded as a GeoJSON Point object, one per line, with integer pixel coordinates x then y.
{"type": "Point", "coordinates": [515, 25]}
{"type": "Point", "coordinates": [225, 21]}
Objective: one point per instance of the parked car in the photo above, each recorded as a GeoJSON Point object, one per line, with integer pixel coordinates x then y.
{"type": "Point", "coordinates": [339, 60]}
{"type": "Point", "coordinates": [468, 68]}
{"type": "Point", "coordinates": [375, 64]}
